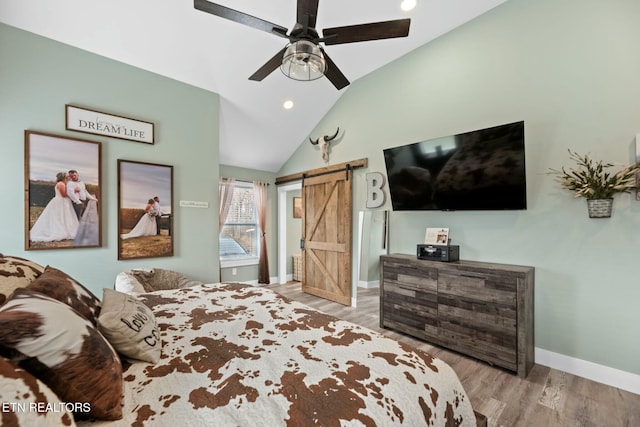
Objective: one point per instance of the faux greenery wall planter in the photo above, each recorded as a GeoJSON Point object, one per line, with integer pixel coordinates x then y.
{"type": "Point", "coordinates": [592, 180]}
{"type": "Point", "coordinates": [599, 208]}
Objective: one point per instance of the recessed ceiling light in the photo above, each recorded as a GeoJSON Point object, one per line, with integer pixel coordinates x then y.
{"type": "Point", "coordinates": [288, 104]}
{"type": "Point", "coordinates": [408, 5]}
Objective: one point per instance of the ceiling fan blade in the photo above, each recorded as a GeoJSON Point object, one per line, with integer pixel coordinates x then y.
{"type": "Point", "coordinates": [240, 17]}
{"type": "Point", "coordinates": [365, 32]}
{"type": "Point", "coordinates": [308, 8]}
{"type": "Point", "coordinates": [333, 73]}
{"type": "Point", "coordinates": [269, 67]}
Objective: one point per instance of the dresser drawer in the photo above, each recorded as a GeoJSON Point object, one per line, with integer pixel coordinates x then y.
{"type": "Point", "coordinates": [420, 315]}
{"type": "Point", "coordinates": [409, 276]}
{"type": "Point", "coordinates": [478, 287]}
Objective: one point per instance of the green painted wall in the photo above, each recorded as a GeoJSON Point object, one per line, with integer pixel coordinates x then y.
{"type": "Point", "coordinates": [373, 244]}
{"type": "Point", "coordinates": [37, 78]}
{"type": "Point", "coordinates": [570, 69]}
{"type": "Point", "coordinates": [250, 273]}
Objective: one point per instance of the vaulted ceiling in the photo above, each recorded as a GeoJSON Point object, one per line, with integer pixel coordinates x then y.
{"type": "Point", "coordinates": [173, 39]}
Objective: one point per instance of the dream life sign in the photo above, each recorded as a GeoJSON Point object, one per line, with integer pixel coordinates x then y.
{"type": "Point", "coordinates": [99, 123]}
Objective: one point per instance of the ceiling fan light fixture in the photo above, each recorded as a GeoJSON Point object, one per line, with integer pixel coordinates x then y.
{"type": "Point", "coordinates": [408, 5]}
{"type": "Point", "coordinates": [303, 60]}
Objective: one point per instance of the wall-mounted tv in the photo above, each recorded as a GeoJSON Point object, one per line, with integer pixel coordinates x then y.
{"type": "Point", "coordinates": [479, 170]}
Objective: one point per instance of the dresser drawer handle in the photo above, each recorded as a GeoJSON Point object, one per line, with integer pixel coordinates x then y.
{"type": "Point", "coordinates": [472, 276]}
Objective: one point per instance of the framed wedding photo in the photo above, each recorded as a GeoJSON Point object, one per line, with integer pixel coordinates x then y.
{"type": "Point", "coordinates": [145, 210]}
{"type": "Point", "coordinates": [62, 182]}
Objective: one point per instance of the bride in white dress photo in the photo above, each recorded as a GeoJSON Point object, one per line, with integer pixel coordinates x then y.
{"type": "Point", "coordinates": [58, 220]}
{"type": "Point", "coordinates": [146, 225]}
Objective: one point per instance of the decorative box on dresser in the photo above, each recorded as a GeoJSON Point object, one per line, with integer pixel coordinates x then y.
{"type": "Point", "coordinates": [484, 310]}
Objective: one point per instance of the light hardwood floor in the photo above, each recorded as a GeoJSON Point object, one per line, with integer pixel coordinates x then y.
{"type": "Point", "coordinates": [547, 397]}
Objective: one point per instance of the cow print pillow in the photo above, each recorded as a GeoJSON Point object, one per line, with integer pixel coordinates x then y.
{"type": "Point", "coordinates": [64, 288]}
{"type": "Point", "coordinates": [130, 326]}
{"type": "Point", "coordinates": [16, 273]}
{"type": "Point", "coordinates": [64, 350]}
{"type": "Point", "coordinates": [27, 401]}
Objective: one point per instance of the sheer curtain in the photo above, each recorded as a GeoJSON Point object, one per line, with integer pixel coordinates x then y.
{"type": "Point", "coordinates": [225, 190]}
{"type": "Point", "coordinates": [260, 196]}
{"type": "Point", "coordinates": [225, 195]}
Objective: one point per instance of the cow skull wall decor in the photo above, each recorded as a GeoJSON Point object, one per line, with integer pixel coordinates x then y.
{"type": "Point", "coordinates": [325, 147]}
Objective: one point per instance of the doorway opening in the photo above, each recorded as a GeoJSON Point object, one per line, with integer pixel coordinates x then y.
{"type": "Point", "coordinates": [283, 191]}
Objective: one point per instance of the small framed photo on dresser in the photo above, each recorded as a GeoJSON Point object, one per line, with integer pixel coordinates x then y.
{"type": "Point", "coordinates": [436, 236]}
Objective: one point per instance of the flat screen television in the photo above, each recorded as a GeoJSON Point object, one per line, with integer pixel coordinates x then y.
{"type": "Point", "coordinates": [479, 170]}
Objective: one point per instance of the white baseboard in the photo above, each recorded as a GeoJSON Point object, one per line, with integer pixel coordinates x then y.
{"type": "Point", "coordinates": [593, 371]}
{"type": "Point", "coordinates": [369, 285]}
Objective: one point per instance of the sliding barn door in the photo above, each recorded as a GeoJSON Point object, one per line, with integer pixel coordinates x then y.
{"type": "Point", "coordinates": [326, 231]}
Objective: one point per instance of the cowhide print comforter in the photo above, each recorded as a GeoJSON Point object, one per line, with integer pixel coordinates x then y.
{"type": "Point", "coordinates": [236, 355]}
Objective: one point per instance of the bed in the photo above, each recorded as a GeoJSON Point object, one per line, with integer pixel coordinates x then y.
{"type": "Point", "coordinates": [235, 355]}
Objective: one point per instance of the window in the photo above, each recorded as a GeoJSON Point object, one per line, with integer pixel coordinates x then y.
{"type": "Point", "coordinates": [239, 236]}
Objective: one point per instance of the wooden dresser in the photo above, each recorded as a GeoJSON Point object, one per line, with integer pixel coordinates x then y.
{"type": "Point", "coordinates": [483, 310]}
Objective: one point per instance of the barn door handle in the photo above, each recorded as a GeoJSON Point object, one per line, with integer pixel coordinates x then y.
{"type": "Point", "coordinates": [302, 244]}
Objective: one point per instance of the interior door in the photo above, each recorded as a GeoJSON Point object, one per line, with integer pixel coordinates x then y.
{"type": "Point", "coordinates": [326, 233]}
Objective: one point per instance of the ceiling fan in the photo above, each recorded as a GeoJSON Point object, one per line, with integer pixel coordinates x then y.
{"type": "Point", "coordinates": [303, 58]}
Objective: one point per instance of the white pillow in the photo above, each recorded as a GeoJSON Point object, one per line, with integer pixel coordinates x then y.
{"type": "Point", "coordinates": [130, 326]}
{"type": "Point", "coordinates": [127, 283]}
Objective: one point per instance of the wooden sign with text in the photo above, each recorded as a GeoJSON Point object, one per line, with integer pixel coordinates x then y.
{"type": "Point", "coordinates": [98, 123]}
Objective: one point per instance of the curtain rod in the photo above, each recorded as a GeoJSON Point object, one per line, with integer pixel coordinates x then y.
{"type": "Point", "coordinates": [242, 180]}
